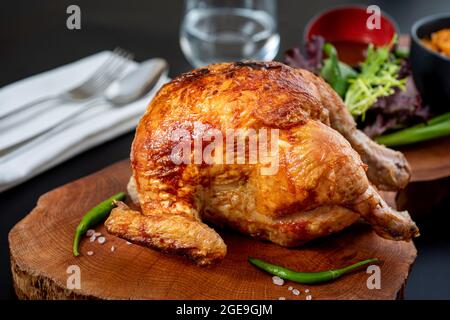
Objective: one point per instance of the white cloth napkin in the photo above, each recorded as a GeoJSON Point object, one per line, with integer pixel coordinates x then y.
{"type": "Point", "coordinates": [101, 123]}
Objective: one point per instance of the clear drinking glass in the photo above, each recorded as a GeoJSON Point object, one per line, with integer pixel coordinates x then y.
{"type": "Point", "coordinates": [234, 30]}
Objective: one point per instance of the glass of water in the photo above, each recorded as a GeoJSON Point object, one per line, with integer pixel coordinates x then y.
{"type": "Point", "coordinates": [234, 30]}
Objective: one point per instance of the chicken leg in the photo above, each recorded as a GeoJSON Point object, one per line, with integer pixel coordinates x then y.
{"type": "Point", "coordinates": [387, 169]}
{"type": "Point", "coordinates": [387, 222]}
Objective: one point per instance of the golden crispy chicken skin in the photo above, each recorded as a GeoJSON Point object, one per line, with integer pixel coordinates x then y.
{"type": "Point", "coordinates": [321, 185]}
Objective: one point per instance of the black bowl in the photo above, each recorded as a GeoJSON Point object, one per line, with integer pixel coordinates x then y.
{"type": "Point", "coordinates": [431, 70]}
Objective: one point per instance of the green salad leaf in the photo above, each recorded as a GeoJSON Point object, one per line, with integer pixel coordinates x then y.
{"type": "Point", "coordinates": [335, 72]}
{"type": "Point", "coordinates": [378, 78]}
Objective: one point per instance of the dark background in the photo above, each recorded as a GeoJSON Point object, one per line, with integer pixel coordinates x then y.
{"type": "Point", "coordinates": [34, 38]}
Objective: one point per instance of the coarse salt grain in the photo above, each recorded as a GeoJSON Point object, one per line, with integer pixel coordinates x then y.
{"type": "Point", "coordinates": [97, 234]}
{"type": "Point", "coordinates": [92, 238]}
{"type": "Point", "coordinates": [290, 288]}
{"type": "Point", "coordinates": [277, 280]}
{"type": "Point", "coordinates": [113, 248]}
{"type": "Point", "coordinates": [308, 297]}
{"type": "Point", "coordinates": [281, 298]}
{"type": "Point", "coordinates": [306, 290]}
{"type": "Point", "coordinates": [90, 253]}
{"type": "Point", "coordinates": [90, 233]}
{"type": "Point", "coordinates": [128, 242]}
{"type": "Point", "coordinates": [101, 240]}
{"type": "Point", "coordinates": [296, 292]}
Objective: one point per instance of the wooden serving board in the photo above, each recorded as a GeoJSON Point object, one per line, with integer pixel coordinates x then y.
{"type": "Point", "coordinates": [429, 189]}
{"type": "Point", "coordinates": [429, 160]}
{"type": "Point", "coordinates": [41, 252]}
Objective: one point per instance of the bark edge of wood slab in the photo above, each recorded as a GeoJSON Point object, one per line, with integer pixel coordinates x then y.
{"type": "Point", "coordinates": [41, 251]}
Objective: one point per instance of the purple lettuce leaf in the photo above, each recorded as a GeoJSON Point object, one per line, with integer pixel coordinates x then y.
{"type": "Point", "coordinates": [402, 109]}
{"type": "Point", "coordinates": [312, 57]}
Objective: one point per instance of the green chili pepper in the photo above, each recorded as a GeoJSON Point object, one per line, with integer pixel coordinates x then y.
{"type": "Point", "coordinates": [306, 277]}
{"type": "Point", "coordinates": [93, 217]}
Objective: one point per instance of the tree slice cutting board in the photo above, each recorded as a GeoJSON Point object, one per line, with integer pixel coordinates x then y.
{"type": "Point", "coordinates": [41, 253]}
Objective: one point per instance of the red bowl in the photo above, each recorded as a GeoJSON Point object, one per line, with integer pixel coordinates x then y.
{"type": "Point", "coordinates": [348, 25]}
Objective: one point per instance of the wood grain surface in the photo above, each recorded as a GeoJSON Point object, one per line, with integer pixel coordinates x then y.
{"type": "Point", "coordinates": [40, 248]}
{"type": "Point", "coordinates": [429, 160]}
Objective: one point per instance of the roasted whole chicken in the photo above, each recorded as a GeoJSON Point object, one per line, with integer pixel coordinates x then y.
{"type": "Point", "coordinates": [327, 176]}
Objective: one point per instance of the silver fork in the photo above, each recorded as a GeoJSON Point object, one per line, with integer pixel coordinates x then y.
{"type": "Point", "coordinates": [109, 71]}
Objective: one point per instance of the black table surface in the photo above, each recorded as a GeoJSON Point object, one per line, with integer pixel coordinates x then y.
{"type": "Point", "coordinates": [34, 38]}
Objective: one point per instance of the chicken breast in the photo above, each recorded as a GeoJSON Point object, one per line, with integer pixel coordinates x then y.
{"type": "Point", "coordinates": [320, 180]}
